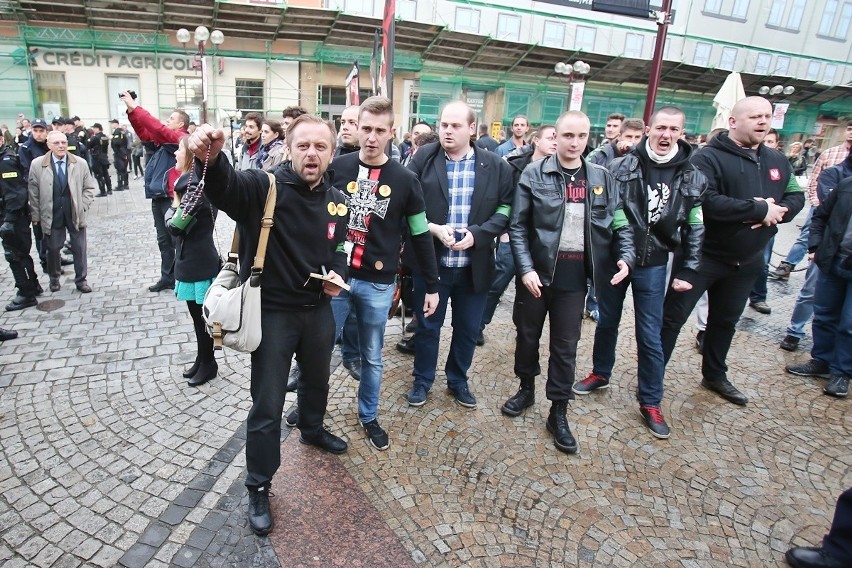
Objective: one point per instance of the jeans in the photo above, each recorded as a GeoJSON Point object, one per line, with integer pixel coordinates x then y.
{"type": "Point", "coordinates": [370, 302]}
{"type": "Point", "coordinates": [566, 316]}
{"type": "Point", "coordinates": [800, 247]}
{"type": "Point", "coordinates": [455, 284]}
{"type": "Point", "coordinates": [727, 285]}
{"type": "Point", "coordinates": [165, 241]}
{"type": "Point", "coordinates": [804, 308]}
{"type": "Point", "coordinates": [649, 294]}
{"type": "Point", "coordinates": [591, 298]}
{"type": "Point", "coordinates": [832, 327]}
{"type": "Point", "coordinates": [345, 326]}
{"type": "Point", "coordinates": [758, 291]}
{"type": "Point", "coordinates": [504, 275]}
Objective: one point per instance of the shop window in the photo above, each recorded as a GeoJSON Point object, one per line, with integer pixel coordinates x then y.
{"type": "Point", "coordinates": [51, 96]}
{"type": "Point", "coordinates": [188, 92]}
{"type": "Point", "coordinates": [517, 102]}
{"type": "Point", "coordinates": [250, 95]}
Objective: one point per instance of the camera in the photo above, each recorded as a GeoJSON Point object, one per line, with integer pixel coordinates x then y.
{"type": "Point", "coordinates": [132, 94]}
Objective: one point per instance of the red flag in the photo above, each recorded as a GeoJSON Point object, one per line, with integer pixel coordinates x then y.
{"type": "Point", "coordinates": [385, 82]}
{"type": "Point", "coordinates": [352, 86]}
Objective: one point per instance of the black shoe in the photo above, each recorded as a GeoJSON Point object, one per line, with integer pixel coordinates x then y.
{"type": "Point", "coordinates": [411, 326]}
{"type": "Point", "coordinates": [160, 286]}
{"type": "Point", "coordinates": [354, 368]}
{"type": "Point", "coordinates": [54, 285]}
{"type": "Point", "coordinates": [39, 290]}
{"type": "Point", "coordinates": [292, 418]}
{"type": "Point", "coordinates": [293, 379]}
{"type": "Point", "coordinates": [21, 302]}
{"type": "Point", "coordinates": [813, 368]}
{"type": "Point", "coordinates": [838, 386]}
{"type": "Point", "coordinates": [557, 424]}
{"type": "Point", "coordinates": [699, 341]}
{"type": "Point", "coordinates": [655, 422]}
{"type": "Point", "coordinates": [65, 261]}
{"type": "Point", "coordinates": [101, 195]}
{"type": "Point", "coordinates": [7, 334]}
{"type": "Point", "coordinates": [464, 397]}
{"type": "Point", "coordinates": [761, 307]}
{"type": "Point", "coordinates": [377, 435]}
{"type": "Point", "coordinates": [324, 440]}
{"type": "Point", "coordinates": [205, 372]}
{"type": "Point", "coordinates": [811, 557]}
{"type": "Point", "coordinates": [259, 515]}
{"type": "Point", "coordinates": [790, 343]}
{"type": "Point", "coordinates": [524, 398]}
{"type": "Point", "coordinates": [726, 390]}
{"type": "Point", "coordinates": [84, 288]}
{"type": "Point", "coordinates": [480, 339]}
{"type": "Point", "coordinates": [406, 345]}
{"type": "Point", "coordinates": [189, 373]}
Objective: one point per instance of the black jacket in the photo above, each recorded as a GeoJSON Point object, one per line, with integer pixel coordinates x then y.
{"type": "Point", "coordinates": [681, 217]}
{"type": "Point", "coordinates": [29, 151]}
{"type": "Point", "coordinates": [828, 224]}
{"type": "Point", "coordinates": [519, 161]}
{"type": "Point", "coordinates": [492, 199]}
{"type": "Point", "coordinates": [604, 154]}
{"type": "Point", "coordinates": [13, 186]}
{"type": "Point", "coordinates": [99, 147]}
{"type": "Point", "coordinates": [735, 179]}
{"type": "Point", "coordinates": [77, 148]}
{"type": "Point", "coordinates": [309, 227]}
{"type": "Point", "coordinates": [538, 213]}
{"type": "Point", "coordinates": [196, 256]}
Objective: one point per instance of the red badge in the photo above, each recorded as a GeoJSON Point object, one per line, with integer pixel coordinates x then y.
{"type": "Point", "coordinates": [331, 229]}
{"type": "Point", "coordinates": [775, 174]}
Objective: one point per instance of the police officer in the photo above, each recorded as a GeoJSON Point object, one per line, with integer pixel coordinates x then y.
{"type": "Point", "coordinates": [15, 230]}
{"type": "Point", "coordinates": [120, 155]}
{"type": "Point", "coordinates": [75, 145]}
{"type": "Point", "coordinates": [99, 147]}
{"type": "Point", "coordinates": [35, 146]}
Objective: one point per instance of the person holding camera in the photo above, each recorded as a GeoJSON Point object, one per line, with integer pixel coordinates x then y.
{"type": "Point", "coordinates": [166, 136]}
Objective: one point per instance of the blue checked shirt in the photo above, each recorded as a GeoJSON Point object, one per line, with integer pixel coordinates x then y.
{"type": "Point", "coordinates": [460, 176]}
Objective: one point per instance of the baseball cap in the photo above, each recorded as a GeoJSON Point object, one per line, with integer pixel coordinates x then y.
{"type": "Point", "coordinates": [69, 121]}
{"type": "Point", "coordinates": [57, 120]}
{"type": "Point", "coordinates": [38, 122]}
{"type": "Point", "coordinates": [114, 121]}
{"type": "Point", "coordinates": [75, 118]}
{"type": "Point", "coordinates": [98, 126]}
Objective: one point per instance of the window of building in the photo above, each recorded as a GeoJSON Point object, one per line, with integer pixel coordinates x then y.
{"type": "Point", "coordinates": [713, 6]}
{"type": "Point", "coordinates": [552, 106]}
{"type": "Point", "coordinates": [585, 38]}
{"type": "Point", "coordinates": [633, 45]}
{"type": "Point", "coordinates": [845, 19]}
{"type": "Point", "coordinates": [509, 27]}
{"type": "Point", "coordinates": [554, 34]}
{"type": "Point", "coordinates": [829, 74]}
{"type": "Point", "coordinates": [782, 65]}
{"type": "Point", "coordinates": [467, 20]}
{"type": "Point", "coordinates": [702, 54]}
{"type": "Point", "coordinates": [250, 95]}
{"type": "Point", "coordinates": [406, 10]}
{"type": "Point", "coordinates": [740, 9]}
{"type": "Point", "coordinates": [736, 9]}
{"type": "Point", "coordinates": [761, 66]}
{"type": "Point", "coordinates": [51, 96]}
{"type": "Point", "coordinates": [794, 20]}
{"type": "Point", "coordinates": [729, 58]}
{"type": "Point", "coordinates": [188, 91]}
{"type": "Point", "coordinates": [364, 7]}
{"type": "Point", "coordinates": [332, 102]}
{"type": "Point", "coordinates": [517, 102]}
{"type": "Point", "coordinates": [828, 15]}
{"type": "Point", "coordinates": [813, 71]}
{"type": "Point", "coordinates": [776, 12]}
{"type": "Point", "coordinates": [666, 48]}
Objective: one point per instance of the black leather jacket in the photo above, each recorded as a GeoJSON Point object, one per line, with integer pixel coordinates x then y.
{"type": "Point", "coordinates": [538, 213]}
{"type": "Point", "coordinates": [680, 219]}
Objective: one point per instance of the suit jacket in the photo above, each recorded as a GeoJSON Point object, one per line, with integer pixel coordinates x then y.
{"type": "Point", "coordinates": [81, 186]}
{"type": "Point", "coordinates": [489, 211]}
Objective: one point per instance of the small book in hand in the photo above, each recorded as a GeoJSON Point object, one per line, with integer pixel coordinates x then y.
{"type": "Point", "coordinates": [327, 278]}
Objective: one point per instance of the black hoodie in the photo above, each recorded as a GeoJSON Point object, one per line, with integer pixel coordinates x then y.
{"type": "Point", "coordinates": [309, 227]}
{"type": "Point", "coordinates": [737, 178]}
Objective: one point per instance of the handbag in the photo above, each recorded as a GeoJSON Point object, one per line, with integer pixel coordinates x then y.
{"type": "Point", "coordinates": [231, 309]}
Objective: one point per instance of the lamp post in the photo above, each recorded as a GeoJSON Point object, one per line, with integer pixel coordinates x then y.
{"type": "Point", "coordinates": [575, 73]}
{"type": "Point", "coordinates": [202, 34]}
{"type": "Point", "coordinates": [779, 110]}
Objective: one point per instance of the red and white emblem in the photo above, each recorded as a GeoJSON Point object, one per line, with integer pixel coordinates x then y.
{"type": "Point", "coordinates": [775, 174]}
{"type": "Point", "coordinates": [331, 229]}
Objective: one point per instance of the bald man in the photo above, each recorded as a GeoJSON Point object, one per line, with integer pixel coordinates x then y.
{"type": "Point", "coordinates": [751, 189]}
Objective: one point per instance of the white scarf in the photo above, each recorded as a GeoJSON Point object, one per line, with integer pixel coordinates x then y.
{"type": "Point", "coordinates": [659, 158]}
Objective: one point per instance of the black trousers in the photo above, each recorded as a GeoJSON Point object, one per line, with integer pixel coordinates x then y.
{"type": "Point", "coordinates": [727, 286]}
{"type": "Point", "coordinates": [566, 316]}
{"type": "Point", "coordinates": [137, 165]}
{"type": "Point", "coordinates": [838, 541]}
{"type": "Point", "coordinates": [309, 334]}
{"type": "Point", "coordinates": [101, 172]}
{"type": "Point", "coordinates": [17, 251]}
{"type": "Point", "coordinates": [120, 162]}
{"type": "Point", "coordinates": [165, 240]}
{"type": "Point", "coordinates": [79, 250]}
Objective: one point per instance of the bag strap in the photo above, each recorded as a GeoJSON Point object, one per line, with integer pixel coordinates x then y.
{"type": "Point", "coordinates": [265, 225]}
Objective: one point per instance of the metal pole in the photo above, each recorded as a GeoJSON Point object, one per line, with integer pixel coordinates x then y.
{"type": "Point", "coordinates": [203, 83]}
{"type": "Point", "coordinates": [656, 67]}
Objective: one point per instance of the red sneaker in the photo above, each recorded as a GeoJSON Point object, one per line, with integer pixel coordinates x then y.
{"type": "Point", "coordinates": [591, 383]}
{"type": "Point", "coordinates": [655, 422]}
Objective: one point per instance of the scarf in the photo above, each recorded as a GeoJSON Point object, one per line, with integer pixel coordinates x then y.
{"type": "Point", "coordinates": [264, 151]}
{"type": "Point", "coordinates": [660, 158]}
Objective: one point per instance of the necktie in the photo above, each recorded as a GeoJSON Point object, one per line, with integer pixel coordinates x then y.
{"type": "Point", "coordinates": [60, 173]}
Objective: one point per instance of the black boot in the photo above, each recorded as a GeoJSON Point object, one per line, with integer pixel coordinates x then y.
{"type": "Point", "coordinates": [524, 398]}
{"type": "Point", "coordinates": [259, 515]}
{"type": "Point", "coordinates": [189, 373]}
{"type": "Point", "coordinates": [557, 424]}
{"type": "Point", "coordinates": [206, 372]}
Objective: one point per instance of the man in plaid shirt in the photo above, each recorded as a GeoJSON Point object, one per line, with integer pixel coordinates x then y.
{"type": "Point", "coordinates": [468, 193]}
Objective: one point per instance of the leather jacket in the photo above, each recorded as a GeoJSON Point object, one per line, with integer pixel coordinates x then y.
{"type": "Point", "coordinates": [681, 218]}
{"type": "Point", "coordinates": [538, 213]}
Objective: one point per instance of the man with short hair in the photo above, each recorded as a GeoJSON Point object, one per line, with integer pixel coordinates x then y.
{"type": "Point", "coordinates": [166, 137]}
{"type": "Point", "coordinates": [630, 134]}
{"type": "Point", "coordinates": [485, 141]}
{"type": "Point", "coordinates": [558, 243]}
{"type": "Point", "coordinates": [520, 127]}
{"type": "Point", "coordinates": [290, 114]}
{"type": "Point", "coordinates": [348, 131]}
{"type": "Point", "coordinates": [468, 194]}
{"type": "Point", "coordinates": [252, 124]}
{"type": "Point", "coordinates": [661, 195]}
{"type": "Point", "coordinates": [307, 235]}
{"type": "Point", "coordinates": [35, 146]}
{"type": "Point", "coordinates": [750, 190]}
{"type": "Point", "coordinates": [612, 128]}
{"type": "Point", "coordinates": [61, 189]}
{"type": "Point", "coordinates": [75, 146]}
{"type": "Point", "coordinates": [98, 145]}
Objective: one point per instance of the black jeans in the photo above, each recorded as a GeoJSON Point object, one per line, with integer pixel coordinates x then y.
{"type": "Point", "coordinates": [727, 286]}
{"type": "Point", "coordinates": [838, 541]}
{"type": "Point", "coordinates": [165, 241]}
{"type": "Point", "coordinates": [566, 316]}
{"type": "Point", "coordinates": [308, 334]}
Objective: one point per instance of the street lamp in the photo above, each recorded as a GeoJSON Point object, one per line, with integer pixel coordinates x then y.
{"type": "Point", "coordinates": [202, 34]}
{"type": "Point", "coordinates": [575, 73]}
{"type": "Point", "coordinates": [774, 94]}
{"type": "Point", "coordinates": [776, 91]}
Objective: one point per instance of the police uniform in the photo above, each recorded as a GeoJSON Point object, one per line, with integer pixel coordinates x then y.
{"type": "Point", "coordinates": [120, 158]}
{"type": "Point", "coordinates": [75, 145]}
{"type": "Point", "coordinates": [99, 147]}
{"type": "Point", "coordinates": [15, 230]}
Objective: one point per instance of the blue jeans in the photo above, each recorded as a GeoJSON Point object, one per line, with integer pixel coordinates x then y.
{"type": "Point", "coordinates": [370, 302]}
{"type": "Point", "coordinates": [456, 284]}
{"type": "Point", "coordinates": [591, 298]}
{"type": "Point", "coordinates": [832, 327]}
{"type": "Point", "coordinates": [800, 247]}
{"type": "Point", "coordinates": [804, 308]}
{"type": "Point", "coordinates": [758, 291]}
{"type": "Point", "coordinates": [649, 294]}
{"type": "Point", "coordinates": [504, 275]}
{"type": "Point", "coordinates": [345, 326]}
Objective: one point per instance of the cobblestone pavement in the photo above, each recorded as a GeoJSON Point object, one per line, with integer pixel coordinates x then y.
{"type": "Point", "coordinates": [107, 457]}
